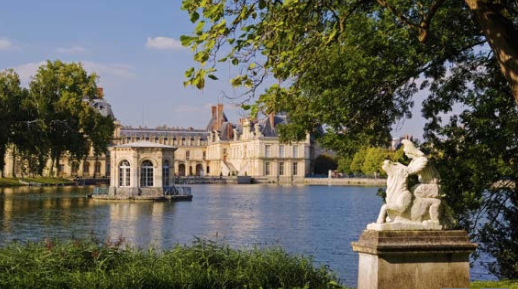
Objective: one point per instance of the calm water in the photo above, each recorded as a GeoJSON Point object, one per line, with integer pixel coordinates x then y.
{"type": "Point", "coordinates": [316, 220]}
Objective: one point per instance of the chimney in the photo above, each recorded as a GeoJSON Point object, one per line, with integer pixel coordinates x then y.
{"type": "Point", "coordinates": [219, 119]}
{"type": "Point", "coordinates": [213, 110]}
{"type": "Point", "coordinates": [100, 92]}
{"type": "Point", "coordinates": [271, 117]}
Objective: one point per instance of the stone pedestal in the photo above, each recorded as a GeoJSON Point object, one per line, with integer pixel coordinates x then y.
{"type": "Point", "coordinates": [413, 259]}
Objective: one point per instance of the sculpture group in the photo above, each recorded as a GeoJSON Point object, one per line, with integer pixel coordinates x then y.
{"type": "Point", "coordinates": [419, 207]}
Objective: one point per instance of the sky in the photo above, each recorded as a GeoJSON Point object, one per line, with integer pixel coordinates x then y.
{"type": "Point", "coordinates": [134, 48]}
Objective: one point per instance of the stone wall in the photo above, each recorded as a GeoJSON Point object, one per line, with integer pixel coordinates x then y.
{"type": "Point", "coordinates": [345, 182]}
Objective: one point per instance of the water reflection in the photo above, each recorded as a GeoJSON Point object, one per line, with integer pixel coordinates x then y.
{"type": "Point", "coordinates": [319, 221]}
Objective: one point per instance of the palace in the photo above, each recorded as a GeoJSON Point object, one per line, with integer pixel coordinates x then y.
{"type": "Point", "coordinates": [250, 147]}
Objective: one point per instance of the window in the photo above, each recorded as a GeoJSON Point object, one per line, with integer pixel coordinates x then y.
{"type": "Point", "coordinates": [204, 155]}
{"type": "Point", "coordinates": [281, 151]}
{"type": "Point", "coordinates": [183, 141]}
{"type": "Point", "coordinates": [124, 174]}
{"type": "Point", "coordinates": [97, 167]}
{"type": "Point", "coordinates": [146, 174]}
{"type": "Point", "coordinates": [281, 168]}
{"type": "Point", "coordinates": [75, 167]}
{"type": "Point", "coordinates": [187, 155]}
{"type": "Point", "coordinates": [267, 171]}
{"type": "Point", "coordinates": [165, 174]}
{"type": "Point", "coordinates": [147, 138]}
{"type": "Point", "coordinates": [208, 169]}
{"type": "Point", "coordinates": [295, 151]}
{"type": "Point", "coordinates": [86, 168]}
{"type": "Point", "coordinates": [295, 168]}
{"type": "Point", "coordinates": [267, 151]}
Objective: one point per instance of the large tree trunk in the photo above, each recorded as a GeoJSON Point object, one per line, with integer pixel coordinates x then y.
{"type": "Point", "coordinates": [502, 37]}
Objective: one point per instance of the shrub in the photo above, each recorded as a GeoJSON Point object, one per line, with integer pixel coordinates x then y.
{"type": "Point", "coordinates": [202, 264]}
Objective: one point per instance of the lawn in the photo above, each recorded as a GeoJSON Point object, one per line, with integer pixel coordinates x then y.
{"type": "Point", "coordinates": [9, 182]}
{"type": "Point", "coordinates": [47, 180]}
{"type": "Point", "coordinates": [497, 284]}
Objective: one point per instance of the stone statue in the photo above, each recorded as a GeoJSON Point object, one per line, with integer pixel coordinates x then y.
{"type": "Point", "coordinates": [417, 208]}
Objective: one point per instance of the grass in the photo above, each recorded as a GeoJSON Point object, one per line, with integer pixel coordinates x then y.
{"type": "Point", "coordinates": [495, 284]}
{"type": "Point", "coordinates": [202, 264]}
{"type": "Point", "coordinates": [9, 182]}
{"type": "Point", "coordinates": [47, 180]}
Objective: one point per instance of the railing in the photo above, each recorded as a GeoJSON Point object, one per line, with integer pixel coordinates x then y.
{"type": "Point", "coordinates": [101, 190]}
{"type": "Point", "coordinates": [177, 191]}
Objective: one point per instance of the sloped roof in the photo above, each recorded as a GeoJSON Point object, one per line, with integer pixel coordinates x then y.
{"type": "Point", "coordinates": [144, 144]}
{"type": "Point", "coordinates": [266, 128]}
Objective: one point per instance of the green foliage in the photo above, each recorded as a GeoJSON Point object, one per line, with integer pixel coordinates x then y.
{"type": "Point", "coordinates": [53, 117]}
{"type": "Point", "coordinates": [476, 152]}
{"type": "Point", "coordinates": [11, 96]}
{"type": "Point", "coordinates": [358, 160]}
{"type": "Point", "coordinates": [352, 67]}
{"type": "Point", "coordinates": [204, 264]}
{"type": "Point", "coordinates": [344, 164]}
{"type": "Point", "coordinates": [324, 163]}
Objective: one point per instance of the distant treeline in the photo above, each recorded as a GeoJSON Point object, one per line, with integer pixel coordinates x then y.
{"type": "Point", "coordinates": [51, 117]}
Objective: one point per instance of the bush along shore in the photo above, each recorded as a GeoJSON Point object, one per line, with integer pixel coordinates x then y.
{"type": "Point", "coordinates": [202, 264]}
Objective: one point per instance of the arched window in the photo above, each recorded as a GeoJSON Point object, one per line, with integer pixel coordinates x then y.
{"type": "Point", "coordinates": [86, 168]}
{"type": "Point", "coordinates": [75, 168]}
{"type": "Point", "coordinates": [98, 167]}
{"type": "Point", "coordinates": [124, 174]}
{"type": "Point", "coordinates": [146, 174]}
{"type": "Point", "coordinates": [165, 174]}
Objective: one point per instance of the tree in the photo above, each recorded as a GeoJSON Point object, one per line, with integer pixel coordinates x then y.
{"type": "Point", "coordinates": [358, 160]}
{"type": "Point", "coordinates": [374, 158]}
{"type": "Point", "coordinates": [476, 154]}
{"type": "Point", "coordinates": [354, 66]}
{"type": "Point", "coordinates": [59, 91]}
{"type": "Point", "coordinates": [11, 97]}
{"type": "Point", "coordinates": [290, 33]}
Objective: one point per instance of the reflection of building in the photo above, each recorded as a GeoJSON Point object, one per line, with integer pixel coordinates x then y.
{"type": "Point", "coordinates": [250, 148]}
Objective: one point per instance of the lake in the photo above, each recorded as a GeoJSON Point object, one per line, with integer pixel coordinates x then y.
{"type": "Point", "coordinates": [320, 221]}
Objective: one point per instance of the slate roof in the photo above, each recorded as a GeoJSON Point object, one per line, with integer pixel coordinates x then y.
{"type": "Point", "coordinates": [144, 144]}
{"type": "Point", "coordinates": [177, 133]}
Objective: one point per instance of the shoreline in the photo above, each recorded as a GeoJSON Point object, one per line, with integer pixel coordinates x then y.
{"type": "Point", "coordinates": [346, 182]}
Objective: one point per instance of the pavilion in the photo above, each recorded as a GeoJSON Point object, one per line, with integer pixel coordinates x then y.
{"type": "Point", "coordinates": [141, 168]}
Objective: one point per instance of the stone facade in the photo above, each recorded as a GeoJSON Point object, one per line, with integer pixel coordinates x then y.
{"type": "Point", "coordinates": [141, 167]}
{"type": "Point", "coordinates": [248, 148]}
{"type": "Point", "coordinates": [413, 259]}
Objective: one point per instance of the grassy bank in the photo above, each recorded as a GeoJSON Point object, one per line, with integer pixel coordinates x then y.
{"type": "Point", "coordinates": [496, 284]}
{"type": "Point", "coordinates": [9, 182]}
{"type": "Point", "coordinates": [47, 180]}
{"type": "Point", "coordinates": [204, 264]}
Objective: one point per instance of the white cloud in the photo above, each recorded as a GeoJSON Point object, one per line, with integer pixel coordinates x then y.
{"type": "Point", "coordinates": [164, 43]}
{"type": "Point", "coordinates": [28, 70]}
{"type": "Point", "coordinates": [71, 50]}
{"type": "Point", "coordinates": [5, 44]}
{"type": "Point", "coordinates": [112, 69]}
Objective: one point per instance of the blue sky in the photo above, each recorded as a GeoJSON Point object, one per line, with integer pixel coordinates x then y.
{"type": "Point", "coordinates": [133, 46]}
